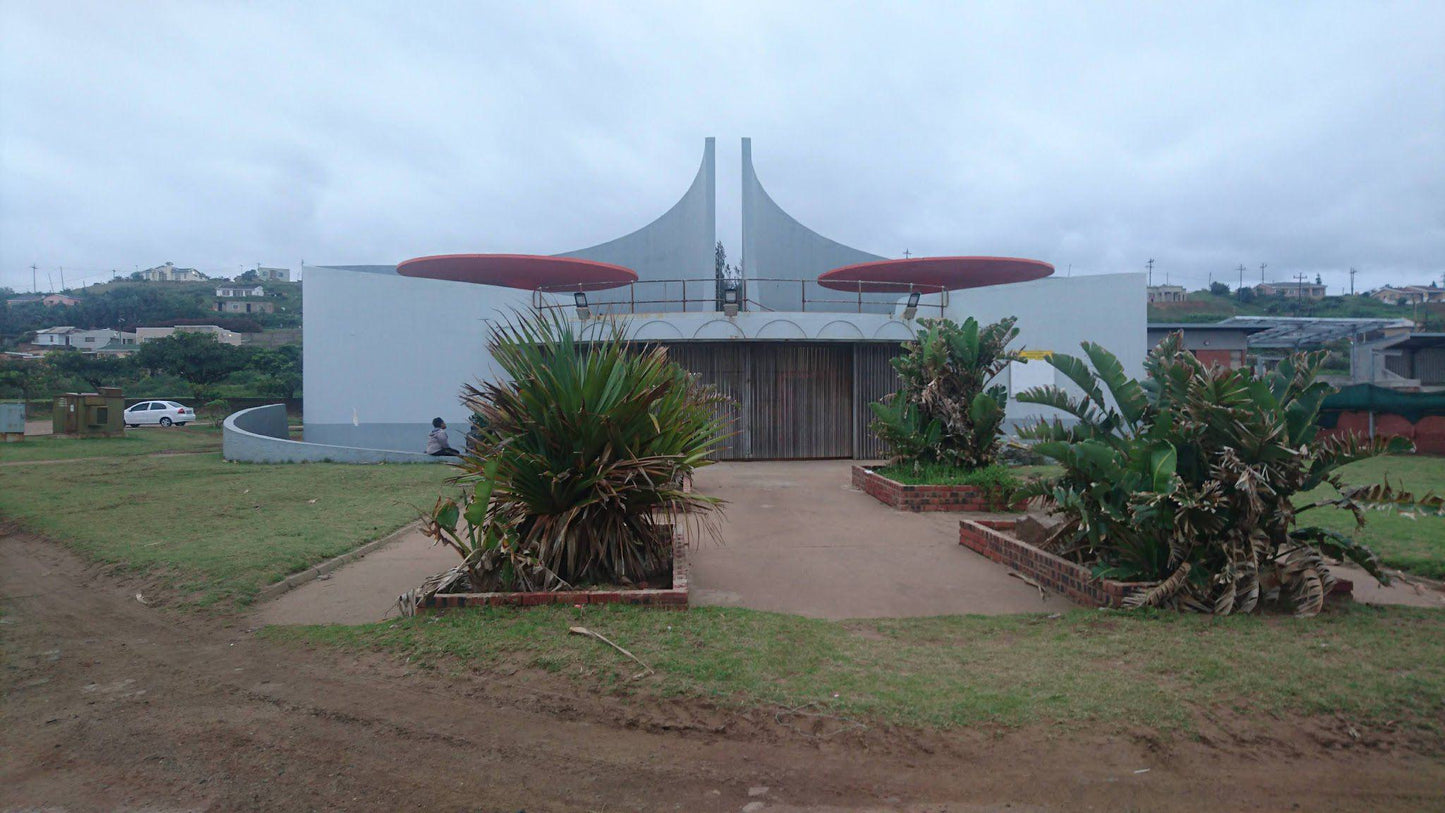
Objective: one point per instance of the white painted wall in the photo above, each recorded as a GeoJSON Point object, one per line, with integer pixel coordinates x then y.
{"type": "Point", "coordinates": [384, 354]}
{"type": "Point", "coordinates": [1058, 313]}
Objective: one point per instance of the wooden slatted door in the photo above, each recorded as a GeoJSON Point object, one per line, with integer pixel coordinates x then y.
{"type": "Point", "coordinates": [795, 400]}
{"type": "Point", "coordinates": [873, 378]}
{"type": "Point", "coordinates": [723, 366]}
{"type": "Point", "coordinates": [802, 401]}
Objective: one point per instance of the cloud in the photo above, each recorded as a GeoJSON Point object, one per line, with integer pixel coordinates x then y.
{"type": "Point", "coordinates": [1094, 136]}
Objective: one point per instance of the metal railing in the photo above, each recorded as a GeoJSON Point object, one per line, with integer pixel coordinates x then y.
{"type": "Point", "coordinates": [705, 296]}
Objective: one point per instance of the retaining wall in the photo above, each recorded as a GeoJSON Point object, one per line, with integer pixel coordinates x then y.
{"type": "Point", "coordinates": [925, 497]}
{"type": "Point", "coordinates": [260, 435]}
{"type": "Point", "coordinates": [993, 538]}
{"type": "Point", "coordinates": [673, 599]}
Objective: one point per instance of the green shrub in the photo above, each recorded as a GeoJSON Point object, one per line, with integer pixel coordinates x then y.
{"type": "Point", "coordinates": [217, 409]}
{"type": "Point", "coordinates": [578, 468]}
{"type": "Point", "coordinates": [995, 479]}
{"type": "Point", "coordinates": [944, 410]}
{"type": "Point", "coordinates": [1186, 480]}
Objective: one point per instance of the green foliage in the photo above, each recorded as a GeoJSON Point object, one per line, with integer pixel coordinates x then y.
{"type": "Point", "coordinates": [1219, 289]}
{"type": "Point", "coordinates": [1078, 670]}
{"type": "Point", "coordinates": [217, 409]}
{"type": "Point", "coordinates": [94, 370]}
{"type": "Point", "coordinates": [197, 357]}
{"type": "Point", "coordinates": [202, 530]}
{"type": "Point", "coordinates": [577, 475]}
{"type": "Point", "coordinates": [996, 479]}
{"type": "Point", "coordinates": [28, 380]}
{"type": "Point", "coordinates": [280, 369]}
{"type": "Point", "coordinates": [124, 305]}
{"type": "Point", "coordinates": [1188, 480]}
{"type": "Point", "coordinates": [944, 411]}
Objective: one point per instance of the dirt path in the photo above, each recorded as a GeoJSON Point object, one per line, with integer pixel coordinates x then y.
{"type": "Point", "coordinates": [113, 705]}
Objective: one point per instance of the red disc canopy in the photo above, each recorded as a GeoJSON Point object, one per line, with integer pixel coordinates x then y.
{"type": "Point", "coordinates": [526, 271]}
{"type": "Point", "coordinates": [935, 273]}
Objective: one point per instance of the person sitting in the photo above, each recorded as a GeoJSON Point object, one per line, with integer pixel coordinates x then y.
{"type": "Point", "coordinates": [437, 443]}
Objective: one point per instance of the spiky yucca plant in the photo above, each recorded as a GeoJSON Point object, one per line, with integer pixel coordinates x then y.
{"type": "Point", "coordinates": [944, 411]}
{"type": "Point", "coordinates": [1187, 480]}
{"type": "Point", "coordinates": [583, 454]}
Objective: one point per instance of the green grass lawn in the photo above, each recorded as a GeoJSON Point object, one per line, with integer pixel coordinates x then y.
{"type": "Point", "coordinates": [1415, 545]}
{"type": "Point", "coordinates": [1158, 669]}
{"type": "Point", "coordinates": [213, 532]}
{"type": "Point", "coordinates": [148, 440]}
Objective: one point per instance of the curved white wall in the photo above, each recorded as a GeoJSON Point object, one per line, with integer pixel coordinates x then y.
{"type": "Point", "coordinates": [777, 246]}
{"type": "Point", "coordinates": [676, 246]}
{"type": "Point", "coordinates": [384, 354]}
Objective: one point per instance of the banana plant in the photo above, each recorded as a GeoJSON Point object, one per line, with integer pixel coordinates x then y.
{"type": "Point", "coordinates": [945, 410]}
{"type": "Point", "coordinates": [1186, 481]}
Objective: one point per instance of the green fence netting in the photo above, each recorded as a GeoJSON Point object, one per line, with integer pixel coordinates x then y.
{"type": "Point", "coordinates": [1412, 406]}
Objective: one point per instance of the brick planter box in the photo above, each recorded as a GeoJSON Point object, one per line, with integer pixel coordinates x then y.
{"type": "Point", "coordinates": [994, 539]}
{"type": "Point", "coordinates": [925, 497]}
{"type": "Point", "coordinates": [673, 599]}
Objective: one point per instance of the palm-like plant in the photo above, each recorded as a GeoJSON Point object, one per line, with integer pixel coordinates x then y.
{"type": "Point", "coordinates": [583, 455]}
{"type": "Point", "coordinates": [944, 411]}
{"type": "Point", "coordinates": [1187, 480]}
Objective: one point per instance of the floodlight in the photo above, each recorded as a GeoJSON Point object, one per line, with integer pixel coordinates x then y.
{"type": "Point", "coordinates": [730, 302]}
{"type": "Point", "coordinates": [580, 299]}
{"type": "Point", "coordinates": [911, 309]}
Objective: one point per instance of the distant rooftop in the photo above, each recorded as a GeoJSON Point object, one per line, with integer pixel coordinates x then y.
{"type": "Point", "coordinates": [1295, 331]}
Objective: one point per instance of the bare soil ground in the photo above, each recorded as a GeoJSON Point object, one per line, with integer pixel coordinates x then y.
{"type": "Point", "coordinates": [113, 705]}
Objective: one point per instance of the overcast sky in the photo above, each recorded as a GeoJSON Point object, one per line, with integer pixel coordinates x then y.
{"type": "Point", "coordinates": [1310, 137]}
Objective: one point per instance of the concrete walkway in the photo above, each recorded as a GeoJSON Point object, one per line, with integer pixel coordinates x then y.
{"type": "Point", "coordinates": [363, 591]}
{"type": "Point", "coordinates": [800, 539]}
{"type": "Point", "coordinates": [797, 538]}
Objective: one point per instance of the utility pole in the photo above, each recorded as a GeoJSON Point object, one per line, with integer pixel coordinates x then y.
{"type": "Point", "coordinates": [1241, 276]}
{"type": "Point", "coordinates": [1353, 272]}
{"type": "Point", "coordinates": [34, 289]}
{"type": "Point", "coordinates": [907, 254]}
{"type": "Point", "coordinates": [62, 277]}
{"type": "Point", "coordinates": [1299, 287]}
{"type": "Point", "coordinates": [1262, 266]}
{"type": "Point", "coordinates": [1150, 265]}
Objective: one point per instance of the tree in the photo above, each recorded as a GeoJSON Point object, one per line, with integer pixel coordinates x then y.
{"type": "Point", "coordinates": [96, 371]}
{"type": "Point", "coordinates": [720, 274]}
{"type": "Point", "coordinates": [1219, 289]}
{"type": "Point", "coordinates": [1319, 280]}
{"type": "Point", "coordinates": [280, 369]}
{"type": "Point", "coordinates": [196, 357]}
{"type": "Point", "coordinates": [29, 379]}
{"type": "Point", "coordinates": [1245, 294]}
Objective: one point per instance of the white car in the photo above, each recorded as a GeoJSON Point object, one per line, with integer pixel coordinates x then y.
{"type": "Point", "coordinates": [164, 413]}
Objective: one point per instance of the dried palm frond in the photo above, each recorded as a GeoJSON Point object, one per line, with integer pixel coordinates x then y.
{"type": "Point", "coordinates": [1307, 592]}
{"type": "Point", "coordinates": [1159, 593]}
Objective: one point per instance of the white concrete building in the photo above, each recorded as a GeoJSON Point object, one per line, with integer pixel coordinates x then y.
{"type": "Point", "coordinates": [54, 336]}
{"type": "Point", "coordinates": [240, 290]}
{"type": "Point", "coordinates": [145, 334]}
{"type": "Point", "coordinates": [385, 353]}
